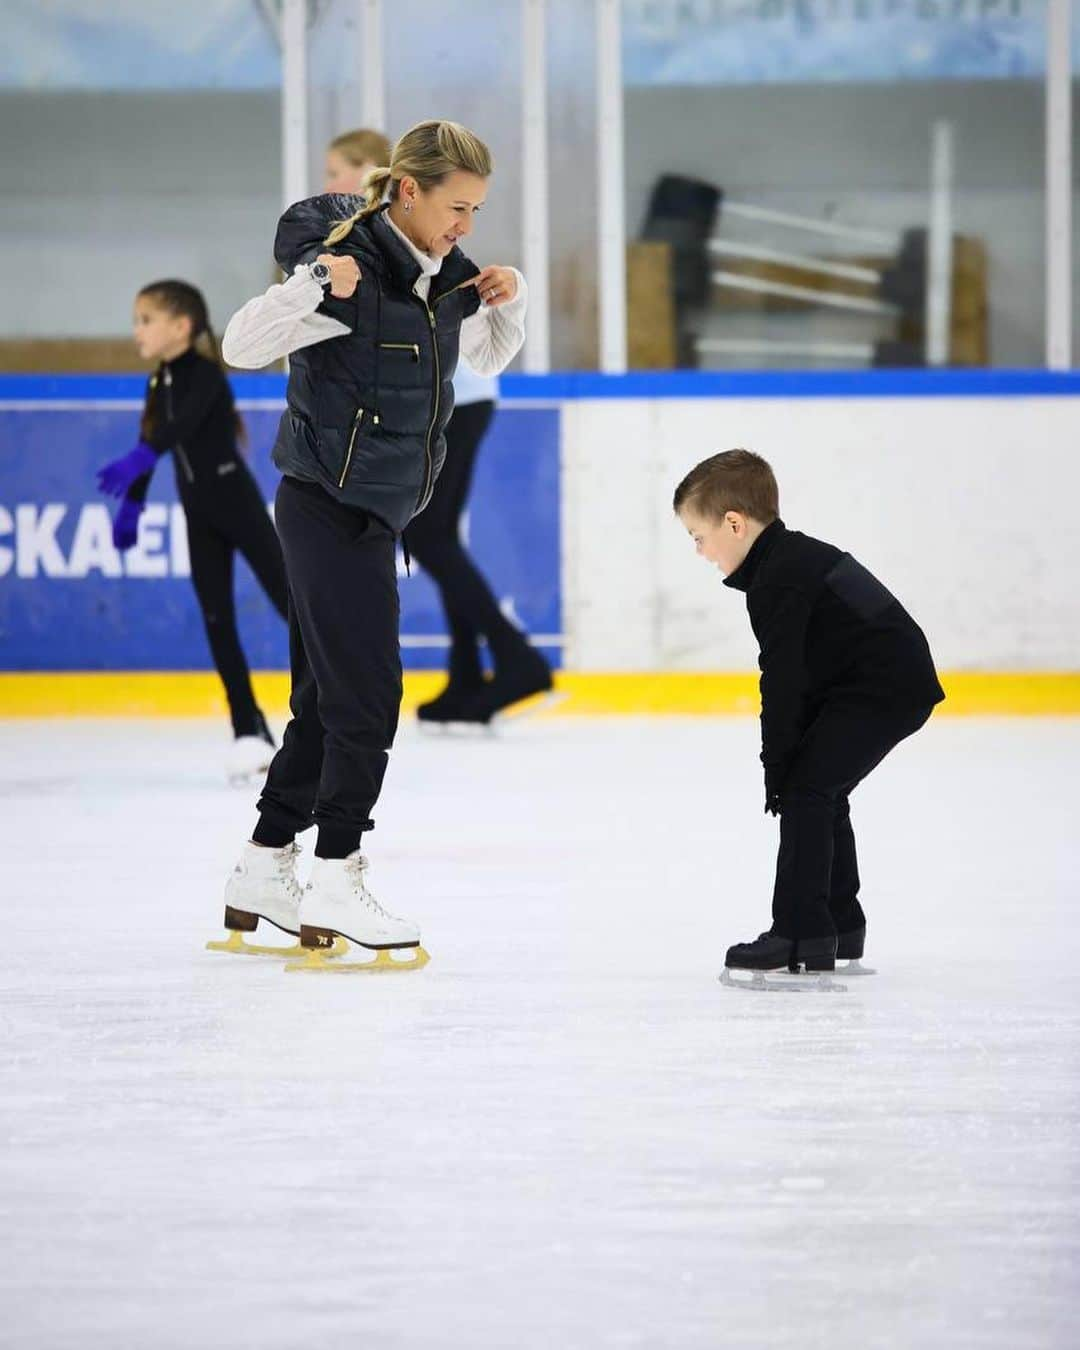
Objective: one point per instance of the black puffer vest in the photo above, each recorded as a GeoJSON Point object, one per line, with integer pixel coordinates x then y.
{"type": "Point", "coordinates": [367, 410]}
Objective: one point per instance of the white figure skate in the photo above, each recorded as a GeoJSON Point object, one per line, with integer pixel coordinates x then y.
{"type": "Point", "coordinates": [248, 760]}
{"type": "Point", "coordinates": [263, 885]}
{"type": "Point", "coordinates": [337, 904]}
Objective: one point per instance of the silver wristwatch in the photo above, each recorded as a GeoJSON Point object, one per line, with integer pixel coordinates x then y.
{"type": "Point", "coordinates": [320, 272]}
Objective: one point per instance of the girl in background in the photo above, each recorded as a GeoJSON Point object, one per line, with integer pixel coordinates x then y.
{"type": "Point", "coordinates": [189, 411]}
{"type": "Point", "coordinates": [472, 611]}
{"type": "Point", "coordinates": [351, 156]}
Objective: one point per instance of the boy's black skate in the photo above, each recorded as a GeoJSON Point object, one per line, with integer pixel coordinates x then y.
{"type": "Point", "coordinates": [806, 963]}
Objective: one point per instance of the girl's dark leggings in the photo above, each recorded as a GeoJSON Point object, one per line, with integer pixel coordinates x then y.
{"type": "Point", "coordinates": [239, 523]}
{"type": "Point", "coordinates": [434, 539]}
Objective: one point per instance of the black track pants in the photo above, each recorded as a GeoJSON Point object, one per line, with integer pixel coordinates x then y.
{"type": "Point", "coordinates": [237, 523]}
{"type": "Point", "coordinates": [435, 542]}
{"type": "Point", "coordinates": [346, 671]}
{"type": "Point", "coordinates": [817, 874]}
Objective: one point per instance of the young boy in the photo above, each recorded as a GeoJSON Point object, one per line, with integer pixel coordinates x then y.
{"type": "Point", "coordinates": [846, 674]}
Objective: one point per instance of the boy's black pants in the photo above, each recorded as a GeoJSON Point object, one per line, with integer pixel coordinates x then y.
{"type": "Point", "coordinates": [817, 873]}
{"type": "Point", "coordinates": [435, 542]}
{"type": "Point", "coordinates": [235, 521]}
{"type": "Point", "coordinates": [346, 671]}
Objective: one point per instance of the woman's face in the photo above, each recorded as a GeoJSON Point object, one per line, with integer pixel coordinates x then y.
{"type": "Point", "coordinates": [437, 219]}
{"type": "Point", "coordinates": [341, 176]}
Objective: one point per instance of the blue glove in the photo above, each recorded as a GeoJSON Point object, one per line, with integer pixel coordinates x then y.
{"type": "Point", "coordinates": [125, 528]}
{"type": "Point", "coordinates": [115, 478]}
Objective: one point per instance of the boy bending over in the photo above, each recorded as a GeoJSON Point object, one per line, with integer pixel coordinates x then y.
{"type": "Point", "coordinates": [846, 674]}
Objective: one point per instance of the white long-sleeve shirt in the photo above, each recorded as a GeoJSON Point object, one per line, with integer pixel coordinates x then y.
{"type": "Point", "coordinates": [283, 320]}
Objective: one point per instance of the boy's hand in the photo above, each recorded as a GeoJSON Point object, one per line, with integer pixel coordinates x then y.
{"type": "Point", "coordinates": [772, 792]}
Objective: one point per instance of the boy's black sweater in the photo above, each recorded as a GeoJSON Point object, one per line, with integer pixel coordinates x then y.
{"type": "Point", "coordinates": [827, 629]}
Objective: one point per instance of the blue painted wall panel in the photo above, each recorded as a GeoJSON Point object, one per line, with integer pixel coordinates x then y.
{"type": "Point", "coordinates": [69, 602]}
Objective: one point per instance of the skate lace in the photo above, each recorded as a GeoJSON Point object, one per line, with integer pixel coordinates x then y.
{"type": "Point", "coordinates": [358, 865]}
{"type": "Point", "coordinates": [286, 865]}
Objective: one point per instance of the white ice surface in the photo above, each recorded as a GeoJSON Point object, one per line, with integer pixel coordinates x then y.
{"type": "Point", "coordinates": [563, 1133]}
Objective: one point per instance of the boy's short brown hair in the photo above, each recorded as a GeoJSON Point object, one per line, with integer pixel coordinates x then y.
{"type": "Point", "coordinates": [737, 480]}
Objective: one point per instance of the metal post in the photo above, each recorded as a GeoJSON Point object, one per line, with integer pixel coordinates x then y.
{"type": "Point", "coordinates": [534, 195]}
{"type": "Point", "coordinates": [939, 247]}
{"type": "Point", "coordinates": [294, 146]}
{"type": "Point", "coordinates": [374, 90]}
{"type": "Point", "coordinates": [1058, 185]}
{"type": "Point", "coordinates": [611, 200]}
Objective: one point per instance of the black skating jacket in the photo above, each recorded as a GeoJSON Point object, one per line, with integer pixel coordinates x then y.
{"type": "Point", "coordinates": [367, 410]}
{"type": "Point", "coordinates": [827, 629]}
{"type": "Point", "coordinates": [194, 418]}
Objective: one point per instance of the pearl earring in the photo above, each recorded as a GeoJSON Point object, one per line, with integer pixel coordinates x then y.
{"type": "Point", "coordinates": [408, 207]}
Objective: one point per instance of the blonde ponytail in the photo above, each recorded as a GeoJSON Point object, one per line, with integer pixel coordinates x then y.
{"type": "Point", "coordinates": [342, 229]}
{"type": "Point", "coordinates": [374, 186]}
{"type": "Point", "coordinates": [428, 152]}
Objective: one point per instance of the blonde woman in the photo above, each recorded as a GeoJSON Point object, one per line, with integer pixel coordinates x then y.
{"type": "Point", "coordinates": [379, 301]}
{"type": "Point", "coordinates": [472, 610]}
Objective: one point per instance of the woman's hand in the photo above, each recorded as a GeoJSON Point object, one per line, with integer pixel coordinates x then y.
{"type": "Point", "coordinates": [344, 274]}
{"type": "Point", "coordinates": [497, 285]}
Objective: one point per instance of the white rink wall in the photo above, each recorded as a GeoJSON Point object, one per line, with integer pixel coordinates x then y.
{"type": "Point", "coordinates": [964, 506]}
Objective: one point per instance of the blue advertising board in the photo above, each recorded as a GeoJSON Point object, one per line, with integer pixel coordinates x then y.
{"type": "Point", "coordinates": [69, 601]}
